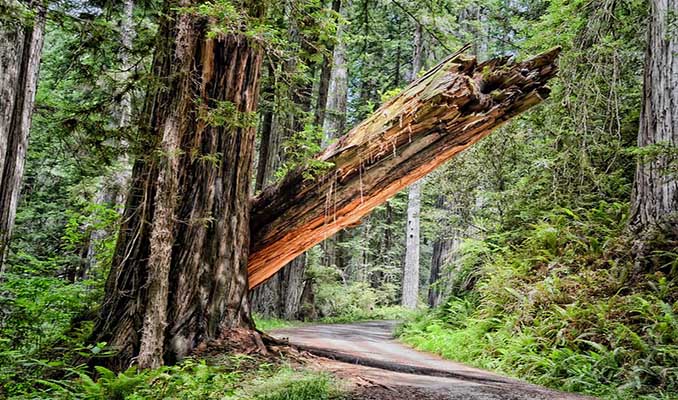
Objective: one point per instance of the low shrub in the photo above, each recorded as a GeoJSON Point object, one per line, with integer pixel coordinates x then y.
{"type": "Point", "coordinates": [564, 308]}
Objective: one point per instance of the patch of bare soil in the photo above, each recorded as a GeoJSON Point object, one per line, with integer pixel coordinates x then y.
{"type": "Point", "coordinates": [404, 393]}
{"type": "Point", "coordinates": [368, 383]}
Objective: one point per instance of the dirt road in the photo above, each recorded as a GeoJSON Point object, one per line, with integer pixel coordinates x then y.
{"type": "Point", "coordinates": [382, 368]}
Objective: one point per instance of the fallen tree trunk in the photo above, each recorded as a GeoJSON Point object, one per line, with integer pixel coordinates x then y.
{"type": "Point", "coordinates": [445, 111]}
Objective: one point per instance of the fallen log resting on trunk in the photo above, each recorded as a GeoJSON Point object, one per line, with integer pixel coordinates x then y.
{"type": "Point", "coordinates": [448, 109]}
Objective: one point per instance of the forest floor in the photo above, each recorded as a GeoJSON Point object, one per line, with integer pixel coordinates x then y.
{"type": "Point", "coordinates": [377, 367]}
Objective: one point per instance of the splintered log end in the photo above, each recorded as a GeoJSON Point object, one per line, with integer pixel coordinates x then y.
{"type": "Point", "coordinates": [546, 58]}
{"type": "Point", "coordinates": [449, 108]}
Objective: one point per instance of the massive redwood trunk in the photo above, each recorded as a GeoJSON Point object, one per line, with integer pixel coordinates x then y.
{"type": "Point", "coordinates": [654, 203]}
{"type": "Point", "coordinates": [179, 274]}
{"type": "Point", "coordinates": [448, 109]}
{"type": "Point", "coordinates": [20, 48]}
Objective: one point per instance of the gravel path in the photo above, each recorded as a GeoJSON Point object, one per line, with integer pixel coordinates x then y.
{"type": "Point", "coordinates": [381, 368]}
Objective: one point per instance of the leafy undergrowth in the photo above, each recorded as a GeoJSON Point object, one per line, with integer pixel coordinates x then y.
{"type": "Point", "coordinates": [267, 324]}
{"type": "Point", "coordinates": [565, 308]}
{"type": "Point", "coordinates": [376, 313]}
{"type": "Point", "coordinates": [235, 377]}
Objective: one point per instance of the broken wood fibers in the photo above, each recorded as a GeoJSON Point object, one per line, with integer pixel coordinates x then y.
{"type": "Point", "coordinates": [451, 107]}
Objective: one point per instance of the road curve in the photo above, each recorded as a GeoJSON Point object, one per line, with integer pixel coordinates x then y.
{"type": "Point", "coordinates": [367, 352]}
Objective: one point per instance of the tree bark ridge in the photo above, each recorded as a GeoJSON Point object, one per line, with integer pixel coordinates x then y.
{"type": "Point", "coordinates": [20, 50]}
{"type": "Point", "coordinates": [654, 200]}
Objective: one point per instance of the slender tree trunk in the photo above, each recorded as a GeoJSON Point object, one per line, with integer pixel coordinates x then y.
{"type": "Point", "coordinates": [281, 295]}
{"type": "Point", "coordinates": [264, 160]}
{"type": "Point", "coordinates": [334, 124]}
{"type": "Point", "coordinates": [411, 269]}
{"type": "Point", "coordinates": [325, 74]}
{"type": "Point", "coordinates": [396, 72]}
{"type": "Point", "coordinates": [127, 35]}
{"type": "Point", "coordinates": [112, 190]}
{"type": "Point", "coordinates": [442, 247]}
{"type": "Point", "coordinates": [335, 115]}
{"type": "Point", "coordinates": [268, 299]}
{"type": "Point", "coordinates": [278, 297]}
{"type": "Point", "coordinates": [417, 52]}
{"type": "Point", "coordinates": [293, 282]}
{"type": "Point", "coordinates": [179, 275]}
{"type": "Point", "coordinates": [388, 232]}
{"type": "Point", "coordinates": [654, 204]}
{"type": "Point", "coordinates": [20, 49]}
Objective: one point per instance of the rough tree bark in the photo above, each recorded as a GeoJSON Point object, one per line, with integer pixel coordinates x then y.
{"type": "Point", "coordinates": [281, 295]}
{"type": "Point", "coordinates": [448, 109]}
{"type": "Point", "coordinates": [410, 293]}
{"type": "Point", "coordinates": [20, 48]}
{"type": "Point", "coordinates": [654, 204]}
{"type": "Point", "coordinates": [187, 213]}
